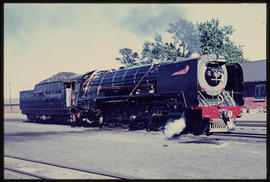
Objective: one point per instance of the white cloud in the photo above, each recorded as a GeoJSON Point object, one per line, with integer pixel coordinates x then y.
{"type": "Point", "coordinates": [46, 50]}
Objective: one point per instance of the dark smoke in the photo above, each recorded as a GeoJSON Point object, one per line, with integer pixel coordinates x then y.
{"type": "Point", "coordinates": [146, 20]}
{"type": "Point", "coordinates": [186, 32]}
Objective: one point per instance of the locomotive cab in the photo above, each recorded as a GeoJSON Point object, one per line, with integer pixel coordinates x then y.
{"type": "Point", "coordinates": [68, 93]}
{"type": "Point", "coordinates": [72, 90]}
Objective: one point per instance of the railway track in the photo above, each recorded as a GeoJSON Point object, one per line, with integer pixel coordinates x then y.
{"type": "Point", "coordinates": [26, 175]}
{"type": "Point", "coordinates": [240, 134]}
{"type": "Point", "coordinates": [43, 170]}
{"type": "Point", "coordinates": [251, 123]}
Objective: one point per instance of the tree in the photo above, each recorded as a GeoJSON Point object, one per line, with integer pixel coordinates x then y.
{"type": "Point", "coordinates": [129, 58]}
{"type": "Point", "coordinates": [186, 34]}
{"type": "Point", "coordinates": [158, 50]}
{"type": "Point", "coordinates": [215, 40]}
{"type": "Point", "coordinates": [205, 38]}
{"type": "Point", "coordinates": [233, 53]}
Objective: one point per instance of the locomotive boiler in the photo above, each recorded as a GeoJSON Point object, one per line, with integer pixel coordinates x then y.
{"type": "Point", "coordinates": [205, 89]}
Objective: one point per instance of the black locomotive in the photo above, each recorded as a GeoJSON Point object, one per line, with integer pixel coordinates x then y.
{"type": "Point", "coordinates": [205, 88]}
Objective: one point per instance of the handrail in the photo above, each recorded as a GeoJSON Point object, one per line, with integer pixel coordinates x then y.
{"type": "Point", "coordinates": [203, 97]}
{"type": "Point", "coordinates": [131, 93]}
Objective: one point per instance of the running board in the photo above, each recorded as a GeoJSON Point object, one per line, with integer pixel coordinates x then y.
{"type": "Point", "coordinates": [218, 125]}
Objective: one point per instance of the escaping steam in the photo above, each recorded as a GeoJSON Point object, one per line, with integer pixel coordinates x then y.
{"type": "Point", "coordinates": [146, 19]}
{"type": "Point", "coordinates": [175, 127]}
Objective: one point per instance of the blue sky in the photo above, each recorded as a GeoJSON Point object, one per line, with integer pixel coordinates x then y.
{"type": "Point", "coordinates": [41, 40]}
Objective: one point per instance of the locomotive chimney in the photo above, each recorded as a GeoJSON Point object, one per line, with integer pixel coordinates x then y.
{"type": "Point", "coordinates": [190, 55]}
{"type": "Point", "coordinates": [178, 58]}
{"type": "Point", "coordinates": [193, 55]}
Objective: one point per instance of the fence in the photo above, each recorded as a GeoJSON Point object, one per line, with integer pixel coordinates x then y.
{"type": "Point", "coordinates": [12, 108]}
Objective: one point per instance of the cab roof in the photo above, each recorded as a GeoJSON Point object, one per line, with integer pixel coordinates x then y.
{"type": "Point", "coordinates": [76, 77]}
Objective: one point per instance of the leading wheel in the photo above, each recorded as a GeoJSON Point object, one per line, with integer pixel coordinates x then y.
{"type": "Point", "coordinates": [195, 124]}
{"type": "Point", "coordinates": [72, 119]}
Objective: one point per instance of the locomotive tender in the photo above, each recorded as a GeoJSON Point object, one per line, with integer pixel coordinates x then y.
{"type": "Point", "coordinates": [205, 89]}
{"type": "Point", "coordinates": [46, 102]}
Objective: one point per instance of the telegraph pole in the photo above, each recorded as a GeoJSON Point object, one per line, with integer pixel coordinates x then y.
{"type": "Point", "coordinates": [10, 96]}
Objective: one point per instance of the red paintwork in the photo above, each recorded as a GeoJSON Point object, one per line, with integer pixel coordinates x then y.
{"type": "Point", "coordinates": [181, 72]}
{"type": "Point", "coordinates": [73, 97]}
{"type": "Point", "coordinates": [212, 112]}
{"type": "Point", "coordinates": [78, 114]}
{"type": "Point", "coordinates": [203, 89]}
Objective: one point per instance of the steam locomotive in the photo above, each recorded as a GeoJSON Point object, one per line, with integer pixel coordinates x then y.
{"type": "Point", "coordinates": [206, 90]}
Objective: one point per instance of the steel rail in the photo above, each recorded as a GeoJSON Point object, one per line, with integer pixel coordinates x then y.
{"type": "Point", "coordinates": [246, 135]}
{"type": "Point", "coordinates": [240, 133]}
{"type": "Point", "coordinates": [251, 125]}
{"type": "Point", "coordinates": [64, 167]}
{"type": "Point", "coordinates": [26, 173]}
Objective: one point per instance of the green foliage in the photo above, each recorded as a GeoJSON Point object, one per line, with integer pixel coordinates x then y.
{"type": "Point", "coordinates": [129, 58]}
{"type": "Point", "coordinates": [215, 40]}
{"type": "Point", "coordinates": [186, 33]}
{"type": "Point", "coordinates": [158, 50]}
{"type": "Point", "coordinates": [233, 53]}
{"type": "Point", "coordinates": [205, 38]}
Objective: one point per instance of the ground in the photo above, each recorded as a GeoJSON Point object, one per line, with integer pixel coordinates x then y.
{"type": "Point", "coordinates": [138, 154]}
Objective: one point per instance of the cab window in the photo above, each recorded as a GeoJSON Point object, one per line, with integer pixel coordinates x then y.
{"type": "Point", "coordinates": [260, 91]}
{"type": "Point", "coordinates": [73, 86]}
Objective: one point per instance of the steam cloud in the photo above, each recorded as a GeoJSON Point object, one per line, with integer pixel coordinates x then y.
{"type": "Point", "coordinates": [146, 20]}
{"type": "Point", "coordinates": [175, 127]}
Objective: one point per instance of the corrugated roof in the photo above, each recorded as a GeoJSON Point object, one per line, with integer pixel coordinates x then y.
{"type": "Point", "coordinates": [254, 71]}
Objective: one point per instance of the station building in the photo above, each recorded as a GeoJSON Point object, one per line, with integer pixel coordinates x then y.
{"type": "Point", "coordinates": [254, 85]}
